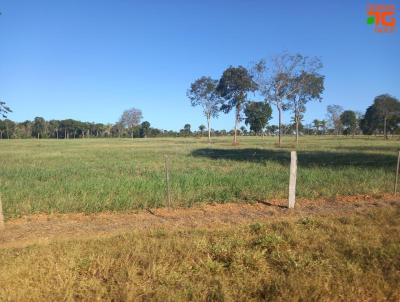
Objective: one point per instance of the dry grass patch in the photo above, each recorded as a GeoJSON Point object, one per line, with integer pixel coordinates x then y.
{"type": "Point", "coordinates": [319, 257]}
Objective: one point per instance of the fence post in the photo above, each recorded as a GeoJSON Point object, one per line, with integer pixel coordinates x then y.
{"type": "Point", "coordinates": [1, 215]}
{"type": "Point", "coordinates": [292, 179]}
{"type": "Point", "coordinates": [397, 174]}
{"type": "Point", "coordinates": [167, 181]}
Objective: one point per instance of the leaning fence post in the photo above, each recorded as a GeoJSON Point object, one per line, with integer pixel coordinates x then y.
{"type": "Point", "coordinates": [167, 181]}
{"type": "Point", "coordinates": [1, 215]}
{"type": "Point", "coordinates": [292, 179]}
{"type": "Point", "coordinates": [397, 174]}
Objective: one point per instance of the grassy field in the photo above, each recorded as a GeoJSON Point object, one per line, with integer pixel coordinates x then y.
{"type": "Point", "coordinates": [94, 175]}
{"type": "Point", "coordinates": [339, 255]}
{"type": "Point", "coordinates": [328, 250]}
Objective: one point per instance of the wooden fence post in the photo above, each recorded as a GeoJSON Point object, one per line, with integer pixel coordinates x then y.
{"type": "Point", "coordinates": [397, 174]}
{"type": "Point", "coordinates": [292, 180]}
{"type": "Point", "coordinates": [167, 181]}
{"type": "Point", "coordinates": [1, 215]}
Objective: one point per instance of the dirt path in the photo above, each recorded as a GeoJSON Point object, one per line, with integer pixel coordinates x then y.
{"type": "Point", "coordinates": [42, 229]}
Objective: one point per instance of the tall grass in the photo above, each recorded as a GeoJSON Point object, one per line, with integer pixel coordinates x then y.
{"type": "Point", "coordinates": [92, 175]}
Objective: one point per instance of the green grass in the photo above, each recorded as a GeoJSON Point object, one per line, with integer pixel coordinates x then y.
{"type": "Point", "coordinates": [350, 256]}
{"type": "Point", "coordinates": [93, 175]}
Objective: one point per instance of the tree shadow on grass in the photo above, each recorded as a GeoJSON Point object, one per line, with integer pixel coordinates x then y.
{"type": "Point", "coordinates": [330, 159]}
{"type": "Point", "coordinates": [390, 148]}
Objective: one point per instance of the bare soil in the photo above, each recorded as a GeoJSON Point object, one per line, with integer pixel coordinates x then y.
{"type": "Point", "coordinates": [45, 228]}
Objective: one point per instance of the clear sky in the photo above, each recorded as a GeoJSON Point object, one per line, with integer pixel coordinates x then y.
{"type": "Point", "coordinates": [91, 59]}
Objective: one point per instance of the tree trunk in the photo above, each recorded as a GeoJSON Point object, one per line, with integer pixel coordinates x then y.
{"type": "Point", "coordinates": [236, 124]}
{"type": "Point", "coordinates": [280, 124]}
{"type": "Point", "coordinates": [209, 130]}
{"type": "Point", "coordinates": [38, 136]}
{"type": "Point", "coordinates": [132, 134]}
{"type": "Point", "coordinates": [384, 128]}
{"type": "Point", "coordinates": [297, 131]}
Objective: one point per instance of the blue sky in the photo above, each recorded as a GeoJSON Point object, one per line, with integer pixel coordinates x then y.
{"type": "Point", "coordinates": [91, 59]}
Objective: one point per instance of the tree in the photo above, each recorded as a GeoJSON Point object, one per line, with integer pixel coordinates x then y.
{"type": "Point", "coordinates": [285, 79]}
{"type": "Point", "coordinates": [144, 129]}
{"type": "Point", "coordinates": [7, 127]}
{"type": "Point", "coordinates": [308, 129]}
{"type": "Point", "coordinates": [243, 130]}
{"type": "Point", "coordinates": [26, 129]}
{"type": "Point", "coordinates": [383, 114]}
{"type": "Point", "coordinates": [307, 86]}
{"type": "Point", "coordinates": [118, 129]}
{"type": "Point", "coordinates": [359, 117]}
{"type": "Point", "coordinates": [187, 129]}
{"type": "Point", "coordinates": [2, 128]}
{"type": "Point", "coordinates": [38, 127]}
{"type": "Point", "coordinates": [323, 124]}
{"type": "Point", "coordinates": [203, 93]}
{"type": "Point", "coordinates": [257, 115]}
{"type": "Point", "coordinates": [53, 127]}
{"type": "Point", "coordinates": [349, 121]}
{"type": "Point", "coordinates": [317, 125]}
{"type": "Point", "coordinates": [131, 118]}
{"type": "Point", "coordinates": [388, 107]}
{"type": "Point", "coordinates": [65, 127]}
{"type": "Point", "coordinates": [333, 115]}
{"type": "Point", "coordinates": [234, 85]}
{"type": "Point", "coordinates": [107, 130]}
{"type": "Point", "coordinates": [4, 109]}
{"type": "Point", "coordinates": [202, 128]}
{"type": "Point", "coordinates": [271, 130]}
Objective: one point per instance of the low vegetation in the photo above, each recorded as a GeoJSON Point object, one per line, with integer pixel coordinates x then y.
{"type": "Point", "coordinates": [348, 256]}
{"type": "Point", "coordinates": [94, 175]}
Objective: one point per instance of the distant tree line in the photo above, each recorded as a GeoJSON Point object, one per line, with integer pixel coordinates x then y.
{"type": "Point", "coordinates": [288, 82]}
{"type": "Point", "coordinates": [381, 118]}
{"type": "Point", "coordinates": [129, 125]}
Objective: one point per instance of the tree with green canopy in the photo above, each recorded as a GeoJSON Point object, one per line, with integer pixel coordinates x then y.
{"type": "Point", "coordinates": [203, 93]}
{"type": "Point", "coordinates": [201, 129]}
{"type": "Point", "coordinates": [234, 86]}
{"type": "Point", "coordinates": [38, 127]}
{"type": "Point", "coordinates": [257, 115]}
{"type": "Point", "coordinates": [186, 131]}
{"type": "Point", "coordinates": [349, 121]}
{"type": "Point", "coordinates": [144, 129]}
{"type": "Point", "coordinates": [383, 114]}
{"type": "Point", "coordinates": [307, 86]}
{"type": "Point", "coordinates": [53, 127]}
